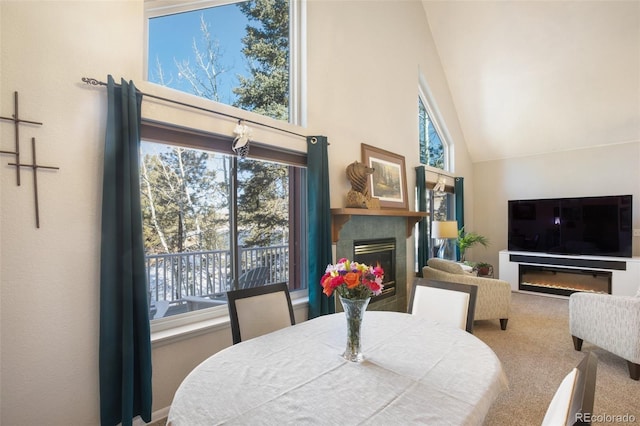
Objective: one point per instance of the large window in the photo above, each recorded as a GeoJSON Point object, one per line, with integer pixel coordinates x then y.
{"type": "Point", "coordinates": [235, 52]}
{"type": "Point", "coordinates": [436, 152]}
{"type": "Point", "coordinates": [214, 222]}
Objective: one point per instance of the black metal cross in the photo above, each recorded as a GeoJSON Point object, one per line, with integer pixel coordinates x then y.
{"type": "Point", "coordinates": [16, 121]}
{"type": "Point", "coordinates": [35, 166]}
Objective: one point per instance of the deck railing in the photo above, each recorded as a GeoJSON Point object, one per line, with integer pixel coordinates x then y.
{"type": "Point", "coordinates": [208, 273]}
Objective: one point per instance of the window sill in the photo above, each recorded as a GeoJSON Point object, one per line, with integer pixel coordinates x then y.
{"type": "Point", "coordinates": [176, 334]}
{"type": "Point", "coordinates": [212, 321]}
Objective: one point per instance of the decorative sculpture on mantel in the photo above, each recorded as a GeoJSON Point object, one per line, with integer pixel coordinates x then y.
{"type": "Point", "coordinates": [358, 174]}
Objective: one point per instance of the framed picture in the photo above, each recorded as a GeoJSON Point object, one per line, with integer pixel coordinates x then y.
{"type": "Point", "coordinates": [388, 182]}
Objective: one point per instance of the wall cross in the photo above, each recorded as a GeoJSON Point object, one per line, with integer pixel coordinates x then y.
{"type": "Point", "coordinates": [35, 166]}
{"type": "Point", "coordinates": [17, 121]}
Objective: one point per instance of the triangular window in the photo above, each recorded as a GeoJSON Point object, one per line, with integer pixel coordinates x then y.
{"type": "Point", "coordinates": [434, 149]}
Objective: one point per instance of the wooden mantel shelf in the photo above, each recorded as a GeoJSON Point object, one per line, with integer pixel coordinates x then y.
{"type": "Point", "coordinates": [343, 215]}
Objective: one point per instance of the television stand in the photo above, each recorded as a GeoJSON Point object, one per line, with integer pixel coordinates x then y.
{"type": "Point", "coordinates": [624, 271]}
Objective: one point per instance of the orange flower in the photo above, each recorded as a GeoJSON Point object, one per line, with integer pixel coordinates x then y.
{"type": "Point", "coordinates": [328, 290]}
{"type": "Point", "coordinates": [352, 279]}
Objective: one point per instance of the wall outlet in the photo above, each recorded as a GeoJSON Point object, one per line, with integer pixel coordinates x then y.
{"type": "Point", "coordinates": [636, 232]}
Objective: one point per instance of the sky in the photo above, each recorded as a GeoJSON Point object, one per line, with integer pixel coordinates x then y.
{"type": "Point", "coordinates": [172, 37]}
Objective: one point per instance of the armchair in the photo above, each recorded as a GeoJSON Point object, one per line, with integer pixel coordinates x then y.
{"type": "Point", "coordinates": [494, 296]}
{"type": "Point", "coordinates": [610, 322]}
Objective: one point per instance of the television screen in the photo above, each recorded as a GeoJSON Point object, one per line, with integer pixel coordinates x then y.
{"type": "Point", "coordinates": [598, 226]}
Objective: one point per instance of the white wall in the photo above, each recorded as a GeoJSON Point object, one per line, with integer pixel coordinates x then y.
{"type": "Point", "coordinates": [364, 60]}
{"type": "Point", "coordinates": [49, 276]}
{"type": "Point", "coordinates": [610, 170]}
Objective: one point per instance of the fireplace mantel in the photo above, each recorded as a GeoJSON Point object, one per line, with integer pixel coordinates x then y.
{"type": "Point", "coordinates": [343, 215]}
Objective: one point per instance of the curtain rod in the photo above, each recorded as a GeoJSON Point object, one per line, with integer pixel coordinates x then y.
{"type": "Point", "coordinates": [94, 82]}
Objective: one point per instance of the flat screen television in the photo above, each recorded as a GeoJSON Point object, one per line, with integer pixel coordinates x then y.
{"type": "Point", "coordinates": [595, 226]}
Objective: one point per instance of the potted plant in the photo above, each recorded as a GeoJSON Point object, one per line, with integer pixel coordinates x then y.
{"type": "Point", "coordinates": [469, 239]}
{"type": "Point", "coordinates": [480, 268]}
{"type": "Point", "coordinates": [483, 268]}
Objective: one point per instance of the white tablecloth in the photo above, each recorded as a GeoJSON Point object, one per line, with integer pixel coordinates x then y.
{"type": "Point", "coordinates": [415, 372]}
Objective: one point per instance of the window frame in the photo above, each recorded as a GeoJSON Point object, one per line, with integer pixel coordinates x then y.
{"type": "Point", "coordinates": [433, 112]}
{"type": "Point", "coordinates": [297, 48]}
{"type": "Point", "coordinates": [165, 133]}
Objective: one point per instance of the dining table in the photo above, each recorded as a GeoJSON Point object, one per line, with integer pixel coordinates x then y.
{"type": "Point", "coordinates": [415, 371]}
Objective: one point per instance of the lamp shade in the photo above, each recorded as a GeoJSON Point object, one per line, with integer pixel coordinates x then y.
{"type": "Point", "coordinates": [444, 229]}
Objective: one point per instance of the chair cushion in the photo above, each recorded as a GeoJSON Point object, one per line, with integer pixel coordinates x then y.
{"type": "Point", "coordinates": [446, 266]}
{"type": "Point", "coordinates": [262, 314]}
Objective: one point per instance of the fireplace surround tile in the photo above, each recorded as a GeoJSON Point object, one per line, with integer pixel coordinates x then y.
{"type": "Point", "coordinates": [373, 227]}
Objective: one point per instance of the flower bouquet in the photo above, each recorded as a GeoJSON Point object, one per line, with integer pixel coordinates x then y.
{"type": "Point", "coordinates": [355, 283]}
{"type": "Point", "coordinates": [352, 280]}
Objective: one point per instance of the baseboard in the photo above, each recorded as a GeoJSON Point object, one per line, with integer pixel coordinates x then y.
{"type": "Point", "coordinates": [156, 416]}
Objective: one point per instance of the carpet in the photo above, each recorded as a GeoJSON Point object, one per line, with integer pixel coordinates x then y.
{"type": "Point", "coordinates": [537, 352]}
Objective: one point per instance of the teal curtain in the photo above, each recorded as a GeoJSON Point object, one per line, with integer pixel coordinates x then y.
{"type": "Point", "coordinates": [319, 213]}
{"type": "Point", "coordinates": [423, 238]}
{"type": "Point", "coordinates": [459, 197]}
{"type": "Point", "coordinates": [125, 346]}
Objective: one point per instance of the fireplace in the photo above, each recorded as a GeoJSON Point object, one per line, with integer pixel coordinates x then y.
{"type": "Point", "coordinates": [379, 251]}
{"type": "Point", "coordinates": [563, 281]}
{"type": "Point", "coordinates": [384, 239]}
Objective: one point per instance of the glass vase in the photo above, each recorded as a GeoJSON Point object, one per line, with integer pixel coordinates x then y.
{"type": "Point", "coordinates": [354, 312]}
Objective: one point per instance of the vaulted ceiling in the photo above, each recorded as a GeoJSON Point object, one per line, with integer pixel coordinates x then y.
{"type": "Point", "coordinates": [531, 77]}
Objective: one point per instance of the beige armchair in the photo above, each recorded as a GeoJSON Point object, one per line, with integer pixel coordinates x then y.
{"type": "Point", "coordinates": [494, 296]}
{"type": "Point", "coordinates": [610, 322]}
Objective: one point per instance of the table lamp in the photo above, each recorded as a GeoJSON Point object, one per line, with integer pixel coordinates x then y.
{"type": "Point", "coordinates": [446, 231]}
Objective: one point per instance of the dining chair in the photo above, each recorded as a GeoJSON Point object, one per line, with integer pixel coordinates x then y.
{"type": "Point", "coordinates": [572, 403]}
{"type": "Point", "coordinates": [446, 302]}
{"type": "Point", "coordinates": [256, 311]}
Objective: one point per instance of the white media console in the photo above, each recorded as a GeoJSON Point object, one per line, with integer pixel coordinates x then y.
{"type": "Point", "coordinates": [625, 271]}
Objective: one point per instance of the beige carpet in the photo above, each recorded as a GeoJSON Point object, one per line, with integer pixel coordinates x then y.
{"type": "Point", "coordinates": [536, 352]}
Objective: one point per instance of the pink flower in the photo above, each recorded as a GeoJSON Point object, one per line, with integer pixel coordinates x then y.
{"type": "Point", "coordinates": [377, 271]}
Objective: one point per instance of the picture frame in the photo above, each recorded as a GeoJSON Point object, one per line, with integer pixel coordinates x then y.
{"type": "Point", "coordinates": [388, 182]}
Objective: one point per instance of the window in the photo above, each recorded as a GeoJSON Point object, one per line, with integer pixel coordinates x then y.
{"type": "Point", "coordinates": [213, 222]}
{"type": "Point", "coordinates": [440, 205]}
{"type": "Point", "coordinates": [434, 147]}
{"type": "Point", "coordinates": [436, 153]}
{"type": "Point", "coordinates": [235, 52]}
